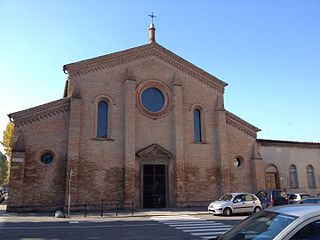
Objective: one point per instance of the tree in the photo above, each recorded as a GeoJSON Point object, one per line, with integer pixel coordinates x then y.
{"type": "Point", "coordinates": [7, 141]}
{"type": "Point", "coordinates": [4, 170]}
{"type": "Point", "coordinates": [7, 144]}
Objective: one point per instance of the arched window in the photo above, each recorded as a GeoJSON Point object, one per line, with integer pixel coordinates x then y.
{"type": "Point", "coordinates": [311, 178]}
{"type": "Point", "coordinates": [293, 177]}
{"type": "Point", "coordinates": [197, 125]}
{"type": "Point", "coordinates": [102, 120]}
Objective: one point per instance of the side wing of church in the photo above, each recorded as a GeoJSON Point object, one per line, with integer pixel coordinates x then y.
{"type": "Point", "coordinates": [141, 125]}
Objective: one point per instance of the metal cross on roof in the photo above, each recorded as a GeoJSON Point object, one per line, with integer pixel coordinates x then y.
{"type": "Point", "coordinates": [152, 17]}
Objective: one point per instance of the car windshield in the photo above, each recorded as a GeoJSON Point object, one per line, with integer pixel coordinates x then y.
{"type": "Point", "coordinates": [262, 225]}
{"type": "Point", "coordinates": [226, 198]}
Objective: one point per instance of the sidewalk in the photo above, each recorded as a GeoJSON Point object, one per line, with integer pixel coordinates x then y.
{"type": "Point", "coordinates": [96, 215]}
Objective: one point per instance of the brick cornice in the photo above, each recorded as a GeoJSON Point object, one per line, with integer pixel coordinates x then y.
{"type": "Point", "coordinates": [241, 124]}
{"type": "Point", "coordinates": [141, 52]}
{"type": "Point", "coordinates": [37, 113]}
{"type": "Point", "coordinates": [288, 144]}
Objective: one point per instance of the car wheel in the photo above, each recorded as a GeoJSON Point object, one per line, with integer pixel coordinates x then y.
{"type": "Point", "coordinates": [227, 212]}
{"type": "Point", "coordinates": [257, 209]}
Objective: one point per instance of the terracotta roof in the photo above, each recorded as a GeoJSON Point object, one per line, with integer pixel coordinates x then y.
{"type": "Point", "coordinates": [39, 112]}
{"type": "Point", "coordinates": [144, 51]}
{"type": "Point", "coordinates": [241, 124]}
{"type": "Point", "coordinates": [269, 142]}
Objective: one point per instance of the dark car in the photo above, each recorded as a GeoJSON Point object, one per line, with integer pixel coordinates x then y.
{"type": "Point", "coordinates": [269, 198]}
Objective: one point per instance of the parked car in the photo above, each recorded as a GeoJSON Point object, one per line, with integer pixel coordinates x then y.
{"type": "Point", "coordinates": [278, 223]}
{"type": "Point", "coordinates": [270, 198]}
{"type": "Point", "coordinates": [310, 201]}
{"type": "Point", "coordinates": [235, 203]}
{"type": "Point", "coordinates": [296, 197]}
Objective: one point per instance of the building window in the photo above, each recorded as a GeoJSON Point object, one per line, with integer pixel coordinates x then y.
{"type": "Point", "coordinates": [293, 177]}
{"type": "Point", "coordinates": [102, 123]}
{"type": "Point", "coordinates": [152, 99]}
{"type": "Point", "coordinates": [46, 158]}
{"type": "Point", "coordinates": [238, 162]}
{"type": "Point", "coordinates": [197, 125]}
{"type": "Point", "coordinates": [311, 177]}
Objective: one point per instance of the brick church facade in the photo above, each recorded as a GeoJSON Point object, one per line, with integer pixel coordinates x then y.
{"type": "Point", "coordinates": [141, 125]}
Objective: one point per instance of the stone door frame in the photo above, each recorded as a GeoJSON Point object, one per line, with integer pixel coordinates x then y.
{"type": "Point", "coordinates": [156, 155]}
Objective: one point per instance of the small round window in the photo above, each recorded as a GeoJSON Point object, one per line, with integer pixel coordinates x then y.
{"type": "Point", "coordinates": [237, 162]}
{"type": "Point", "coordinates": [46, 158]}
{"type": "Point", "coordinates": [152, 99]}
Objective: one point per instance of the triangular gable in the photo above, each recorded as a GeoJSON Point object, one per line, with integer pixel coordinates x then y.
{"type": "Point", "coordinates": [154, 150]}
{"type": "Point", "coordinates": [40, 112]}
{"type": "Point", "coordinates": [137, 53]}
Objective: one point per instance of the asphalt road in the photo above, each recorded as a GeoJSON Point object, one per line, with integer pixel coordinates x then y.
{"type": "Point", "coordinates": [179, 227]}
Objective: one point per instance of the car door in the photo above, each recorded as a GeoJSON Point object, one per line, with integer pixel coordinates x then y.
{"type": "Point", "coordinates": [263, 196]}
{"type": "Point", "coordinates": [238, 204]}
{"type": "Point", "coordinates": [250, 202]}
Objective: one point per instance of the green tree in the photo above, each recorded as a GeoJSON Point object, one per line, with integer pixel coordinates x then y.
{"type": "Point", "coordinates": [7, 141]}
{"type": "Point", "coordinates": [4, 170]}
{"type": "Point", "coordinates": [7, 144]}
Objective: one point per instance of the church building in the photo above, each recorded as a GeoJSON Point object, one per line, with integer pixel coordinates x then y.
{"type": "Point", "coordinates": [141, 125]}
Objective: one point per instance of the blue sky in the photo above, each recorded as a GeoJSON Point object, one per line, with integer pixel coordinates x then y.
{"type": "Point", "coordinates": [267, 51]}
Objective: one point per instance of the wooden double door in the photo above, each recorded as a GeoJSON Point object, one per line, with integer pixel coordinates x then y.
{"type": "Point", "coordinates": [271, 180]}
{"type": "Point", "coordinates": [154, 185]}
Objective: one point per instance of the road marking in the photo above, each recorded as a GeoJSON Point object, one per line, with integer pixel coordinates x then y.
{"type": "Point", "coordinates": [195, 226]}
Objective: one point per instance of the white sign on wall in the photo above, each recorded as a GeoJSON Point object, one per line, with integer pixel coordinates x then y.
{"type": "Point", "coordinates": [17, 160]}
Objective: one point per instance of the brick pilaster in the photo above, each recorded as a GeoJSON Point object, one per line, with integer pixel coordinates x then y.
{"type": "Point", "coordinates": [178, 144]}
{"type": "Point", "coordinates": [73, 150]}
{"type": "Point", "coordinates": [129, 152]}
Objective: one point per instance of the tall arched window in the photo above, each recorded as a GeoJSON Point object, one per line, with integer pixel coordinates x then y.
{"type": "Point", "coordinates": [197, 125]}
{"type": "Point", "coordinates": [293, 177]}
{"type": "Point", "coordinates": [311, 177]}
{"type": "Point", "coordinates": [102, 120]}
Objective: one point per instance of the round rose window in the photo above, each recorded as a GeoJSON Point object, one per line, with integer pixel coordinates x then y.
{"type": "Point", "coordinates": [152, 99]}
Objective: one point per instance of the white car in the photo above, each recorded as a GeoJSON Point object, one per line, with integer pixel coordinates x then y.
{"type": "Point", "coordinates": [294, 222]}
{"type": "Point", "coordinates": [235, 203]}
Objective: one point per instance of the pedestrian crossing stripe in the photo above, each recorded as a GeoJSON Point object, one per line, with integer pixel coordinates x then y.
{"type": "Point", "coordinates": [195, 226]}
